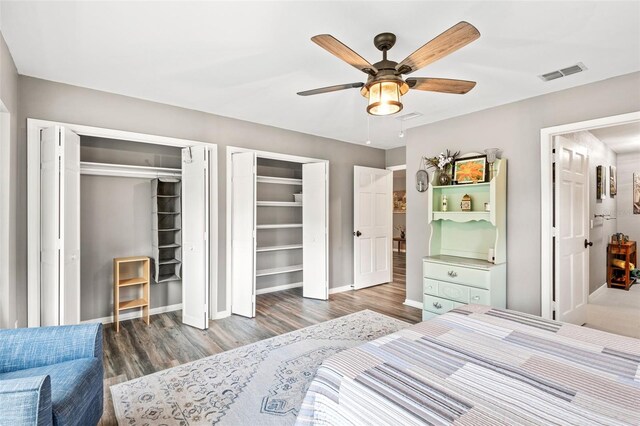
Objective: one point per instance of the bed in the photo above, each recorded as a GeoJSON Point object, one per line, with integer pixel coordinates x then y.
{"type": "Point", "coordinates": [477, 365]}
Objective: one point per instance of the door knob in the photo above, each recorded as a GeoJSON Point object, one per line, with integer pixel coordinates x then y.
{"type": "Point", "coordinates": [357, 233]}
{"type": "Point", "coordinates": [587, 243]}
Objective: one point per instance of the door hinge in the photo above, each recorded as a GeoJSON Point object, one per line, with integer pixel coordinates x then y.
{"type": "Point", "coordinates": [554, 232]}
{"type": "Point", "coordinates": [554, 305]}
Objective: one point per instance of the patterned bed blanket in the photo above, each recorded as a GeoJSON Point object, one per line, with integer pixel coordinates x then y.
{"type": "Point", "coordinates": [478, 365]}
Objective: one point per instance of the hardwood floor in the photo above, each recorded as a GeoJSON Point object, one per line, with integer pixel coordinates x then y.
{"type": "Point", "coordinates": [139, 349]}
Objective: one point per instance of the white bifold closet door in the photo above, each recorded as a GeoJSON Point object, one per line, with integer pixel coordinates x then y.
{"type": "Point", "coordinates": [243, 234]}
{"type": "Point", "coordinates": [59, 227]}
{"type": "Point", "coordinates": [195, 236]}
{"type": "Point", "coordinates": [315, 223]}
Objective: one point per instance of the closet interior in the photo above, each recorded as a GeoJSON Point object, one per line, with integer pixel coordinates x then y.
{"type": "Point", "coordinates": [278, 227]}
{"type": "Point", "coordinates": [129, 206]}
{"type": "Point", "coordinates": [278, 224]}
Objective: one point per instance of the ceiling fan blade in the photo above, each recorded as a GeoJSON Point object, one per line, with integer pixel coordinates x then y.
{"type": "Point", "coordinates": [442, 85]}
{"type": "Point", "coordinates": [331, 89]}
{"type": "Point", "coordinates": [448, 42]}
{"type": "Point", "coordinates": [340, 50]}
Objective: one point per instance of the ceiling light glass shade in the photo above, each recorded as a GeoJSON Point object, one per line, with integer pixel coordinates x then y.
{"type": "Point", "coordinates": [384, 98]}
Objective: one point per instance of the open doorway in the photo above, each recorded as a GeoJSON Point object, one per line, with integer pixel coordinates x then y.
{"type": "Point", "coordinates": [591, 248]}
{"type": "Point", "coordinates": [399, 224]}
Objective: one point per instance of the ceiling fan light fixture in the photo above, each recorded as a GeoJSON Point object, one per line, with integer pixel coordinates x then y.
{"type": "Point", "coordinates": [384, 98]}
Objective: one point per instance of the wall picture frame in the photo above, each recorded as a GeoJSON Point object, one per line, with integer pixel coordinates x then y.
{"type": "Point", "coordinates": [613, 181]}
{"type": "Point", "coordinates": [601, 187]}
{"type": "Point", "coordinates": [470, 170]}
{"type": "Point", "coordinates": [399, 201]}
{"type": "Point", "coordinates": [636, 193]}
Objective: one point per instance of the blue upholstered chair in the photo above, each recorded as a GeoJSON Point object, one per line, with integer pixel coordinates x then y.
{"type": "Point", "coordinates": [51, 375]}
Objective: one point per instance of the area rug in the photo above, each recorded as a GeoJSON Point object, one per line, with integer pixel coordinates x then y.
{"type": "Point", "coordinates": [263, 383]}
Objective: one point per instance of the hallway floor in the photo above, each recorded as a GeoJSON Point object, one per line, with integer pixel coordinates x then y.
{"type": "Point", "coordinates": [616, 311]}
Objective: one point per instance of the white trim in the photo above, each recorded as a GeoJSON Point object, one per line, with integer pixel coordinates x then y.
{"type": "Point", "coordinates": [123, 170]}
{"type": "Point", "coordinates": [7, 307]}
{"type": "Point", "coordinates": [136, 314]}
{"type": "Point", "coordinates": [34, 127]}
{"type": "Point", "coordinates": [396, 168]}
{"type": "Point", "coordinates": [598, 292]}
{"type": "Point", "coordinates": [546, 196]}
{"type": "Point", "coordinates": [278, 288]}
{"type": "Point", "coordinates": [413, 304]}
{"type": "Point", "coordinates": [342, 289]}
{"type": "Point", "coordinates": [261, 154]}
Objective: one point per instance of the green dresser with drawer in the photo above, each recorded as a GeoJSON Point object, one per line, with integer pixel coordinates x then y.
{"type": "Point", "coordinates": [450, 281]}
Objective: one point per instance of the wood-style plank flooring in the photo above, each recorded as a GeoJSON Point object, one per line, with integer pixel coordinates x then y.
{"type": "Point", "coordinates": [139, 349]}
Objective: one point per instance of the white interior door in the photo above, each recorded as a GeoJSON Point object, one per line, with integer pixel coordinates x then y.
{"type": "Point", "coordinates": [60, 227]}
{"type": "Point", "coordinates": [195, 236]}
{"type": "Point", "coordinates": [315, 266]}
{"type": "Point", "coordinates": [243, 234]}
{"type": "Point", "coordinates": [372, 226]}
{"type": "Point", "coordinates": [571, 275]}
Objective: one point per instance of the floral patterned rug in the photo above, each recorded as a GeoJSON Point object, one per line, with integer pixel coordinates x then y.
{"type": "Point", "coordinates": [263, 383]}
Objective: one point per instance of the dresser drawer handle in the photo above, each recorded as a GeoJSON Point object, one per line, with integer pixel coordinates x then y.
{"type": "Point", "coordinates": [452, 273]}
{"type": "Point", "coordinates": [437, 305]}
{"type": "Point", "coordinates": [475, 298]}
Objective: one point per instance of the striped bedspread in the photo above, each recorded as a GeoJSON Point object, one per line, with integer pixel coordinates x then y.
{"type": "Point", "coordinates": [478, 365]}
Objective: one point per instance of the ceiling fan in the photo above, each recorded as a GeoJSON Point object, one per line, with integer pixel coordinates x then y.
{"type": "Point", "coordinates": [385, 85]}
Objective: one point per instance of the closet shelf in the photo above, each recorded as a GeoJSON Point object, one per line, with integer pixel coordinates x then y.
{"type": "Point", "coordinates": [278, 204]}
{"type": "Point", "coordinates": [278, 180]}
{"type": "Point", "coordinates": [167, 196]}
{"type": "Point", "coordinates": [280, 225]}
{"type": "Point", "coordinates": [168, 212]}
{"type": "Point", "coordinates": [278, 248]}
{"type": "Point", "coordinates": [168, 261]}
{"type": "Point", "coordinates": [168, 229]}
{"type": "Point", "coordinates": [280, 270]}
{"type": "Point", "coordinates": [135, 303]}
{"type": "Point", "coordinates": [462, 216]}
{"type": "Point", "coordinates": [174, 245]}
{"type": "Point", "coordinates": [165, 278]}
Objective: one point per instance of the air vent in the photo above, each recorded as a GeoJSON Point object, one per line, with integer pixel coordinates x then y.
{"type": "Point", "coordinates": [409, 116]}
{"type": "Point", "coordinates": [574, 69]}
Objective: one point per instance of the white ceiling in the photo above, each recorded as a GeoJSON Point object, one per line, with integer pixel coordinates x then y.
{"type": "Point", "coordinates": [621, 139]}
{"type": "Point", "coordinates": [248, 59]}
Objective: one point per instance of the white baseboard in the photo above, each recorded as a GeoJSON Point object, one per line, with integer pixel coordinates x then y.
{"type": "Point", "coordinates": [220, 315]}
{"type": "Point", "coordinates": [278, 288]}
{"type": "Point", "coordinates": [413, 304]}
{"type": "Point", "coordinates": [598, 292]}
{"type": "Point", "coordinates": [341, 289]}
{"type": "Point", "coordinates": [136, 314]}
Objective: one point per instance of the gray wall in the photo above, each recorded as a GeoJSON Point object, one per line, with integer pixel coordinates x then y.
{"type": "Point", "coordinates": [395, 156]}
{"type": "Point", "coordinates": [115, 221]}
{"type": "Point", "coordinates": [628, 223]}
{"type": "Point", "coordinates": [60, 102]}
{"type": "Point", "coordinates": [599, 155]}
{"type": "Point", "coordinates": [10, 291]}
{"type": "Point", "coordinates": [516, 129]}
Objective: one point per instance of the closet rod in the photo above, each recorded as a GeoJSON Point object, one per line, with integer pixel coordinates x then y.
{"type": "Point", "coordinates": [122, 170]}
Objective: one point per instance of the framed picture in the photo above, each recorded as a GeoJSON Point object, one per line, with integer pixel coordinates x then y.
{"type": "Point", "coordinates": [470, 170]}
{"type": "Point", "coordinates": [613, 181]}
{"type": "Point", "coordinates": [636, 193]}
{"type": "Point", "coordinates": [601, 177]}
{"type": "Point", "coordinates": [399, 201]}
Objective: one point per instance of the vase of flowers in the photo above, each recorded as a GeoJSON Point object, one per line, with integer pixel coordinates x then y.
{"type": "Point", "coordinates": [402, 230]}
{"type": "Point", "coordinates": [443, 163]}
